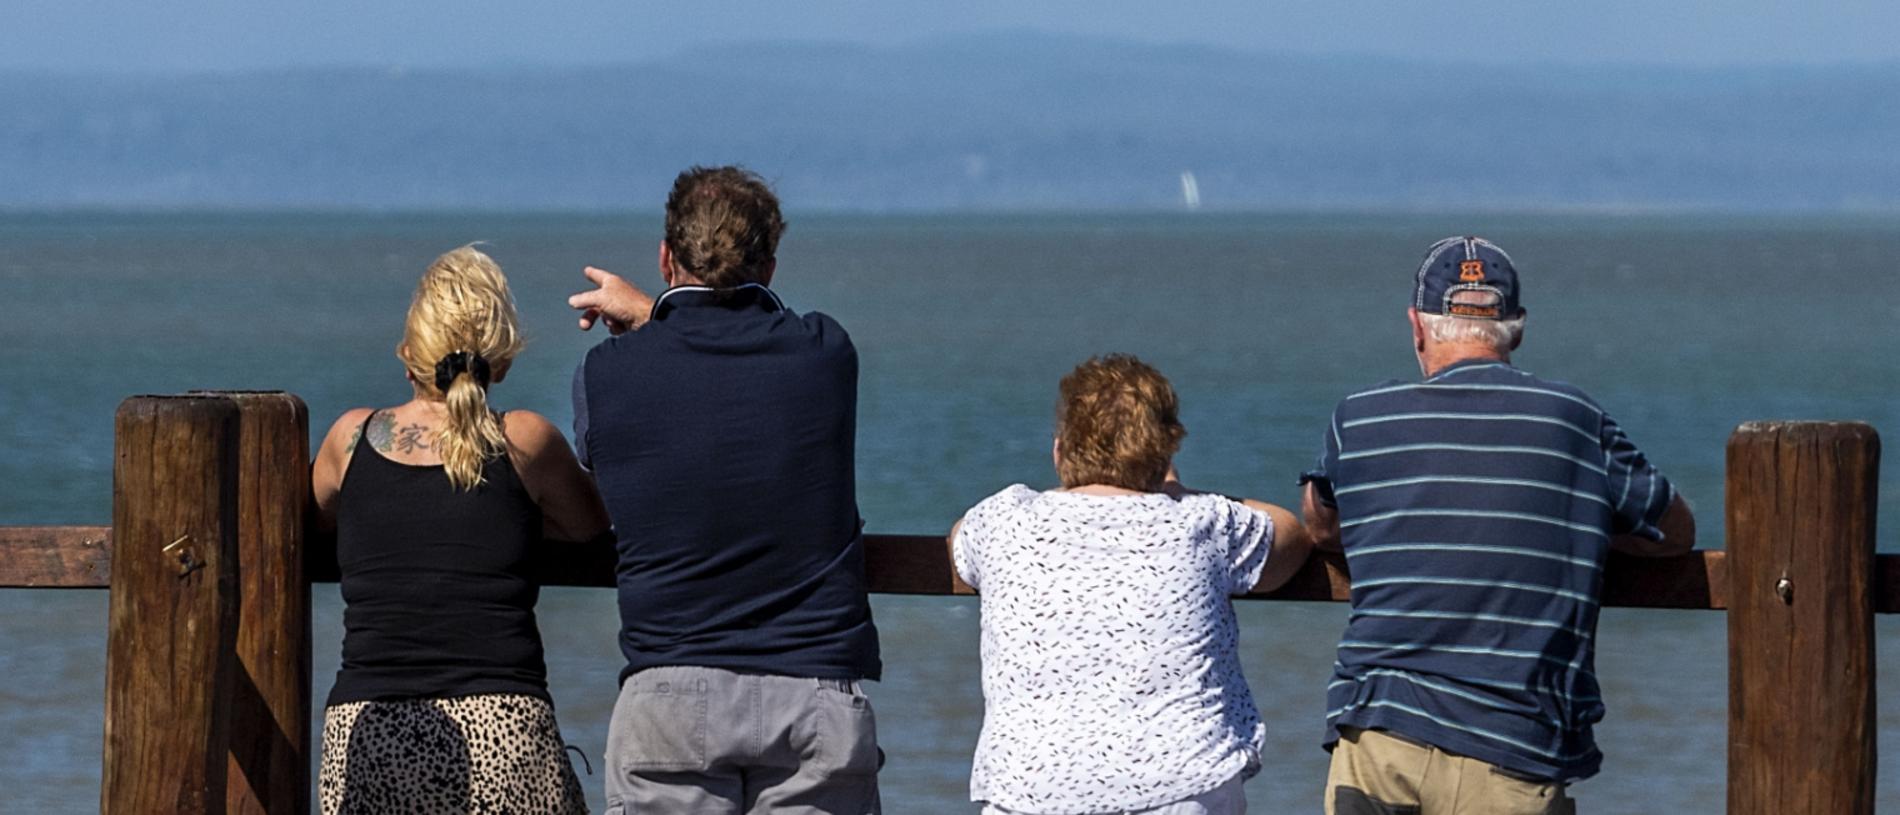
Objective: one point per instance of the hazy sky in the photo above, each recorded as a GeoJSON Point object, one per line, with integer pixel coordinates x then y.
{"type": "Point", "coordinates": [192, 35]}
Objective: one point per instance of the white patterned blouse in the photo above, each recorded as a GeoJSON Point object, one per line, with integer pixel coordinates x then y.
{"type": "Point", "coordinates": [1111, 673]}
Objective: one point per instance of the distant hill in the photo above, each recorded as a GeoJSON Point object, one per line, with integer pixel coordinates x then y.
{"type": "Point", "coordinates": [1011, 121]}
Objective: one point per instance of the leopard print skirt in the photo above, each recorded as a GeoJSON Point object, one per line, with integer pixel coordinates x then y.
{"type": "Point", "coordinates": [493, 753]}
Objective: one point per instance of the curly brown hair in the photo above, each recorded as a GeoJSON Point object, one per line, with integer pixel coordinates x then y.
{"type": "Point", "coordinates": [1118, 423]}
{"type": "Point", "coordinates": [723, 225]}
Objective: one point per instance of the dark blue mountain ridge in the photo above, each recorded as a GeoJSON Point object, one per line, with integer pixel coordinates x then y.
{"type": "Point", "coordinates": [1012, 120]}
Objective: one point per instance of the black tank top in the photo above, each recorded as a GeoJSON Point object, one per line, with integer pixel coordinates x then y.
{"type": "Point", "coordinates": [438, 598]}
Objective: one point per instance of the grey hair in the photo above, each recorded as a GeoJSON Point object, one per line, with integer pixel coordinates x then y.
{"type": "Point", "coordinates": [1499, 334]}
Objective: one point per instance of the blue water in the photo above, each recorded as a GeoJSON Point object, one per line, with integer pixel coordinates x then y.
{"type": "Point", "coordinates": [1682, 326]}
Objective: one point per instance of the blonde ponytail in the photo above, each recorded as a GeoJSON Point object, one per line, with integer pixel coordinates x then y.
{"type": "Point", "coordinates": [471, 434]}
{"type": "Point", "coordinates": [461, 329]}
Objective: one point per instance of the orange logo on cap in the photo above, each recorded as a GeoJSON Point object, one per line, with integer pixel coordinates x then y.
{"type": "Point", "coordinates": [1471, 271]}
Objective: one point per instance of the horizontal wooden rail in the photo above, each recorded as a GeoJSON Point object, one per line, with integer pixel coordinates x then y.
{"type": "Point", "coordinates": [55, 557]}
{"type": "Point", "coordinates": [81, 557]}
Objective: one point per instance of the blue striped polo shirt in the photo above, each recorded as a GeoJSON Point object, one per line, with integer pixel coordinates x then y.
{"type": "Point", "coordinates": [1476, 510]}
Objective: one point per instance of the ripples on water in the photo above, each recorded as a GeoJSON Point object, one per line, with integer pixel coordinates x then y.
{"type": "Point", "coordinates": [1682, 327]}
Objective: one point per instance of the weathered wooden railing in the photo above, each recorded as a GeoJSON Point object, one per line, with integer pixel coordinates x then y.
{"type": "Point", "coordinates": [208, 656]}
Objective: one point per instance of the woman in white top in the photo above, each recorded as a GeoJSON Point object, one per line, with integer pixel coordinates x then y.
{"type": "Point", "coordinates": [1111, 672]}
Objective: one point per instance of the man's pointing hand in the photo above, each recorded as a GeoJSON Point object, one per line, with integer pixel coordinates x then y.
{"type": "Point", "coordinates": [614, 301]}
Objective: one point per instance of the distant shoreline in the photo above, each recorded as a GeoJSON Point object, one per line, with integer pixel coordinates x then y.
{"type": "Point", "coordinates": [1012, 123]}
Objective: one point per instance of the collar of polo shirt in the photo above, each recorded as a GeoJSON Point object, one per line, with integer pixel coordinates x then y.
{"type": "Point", "coordinates": [693, 295]}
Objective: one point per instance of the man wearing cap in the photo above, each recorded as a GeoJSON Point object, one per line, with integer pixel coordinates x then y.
{"type": "Point", "coordinates": [720, 426]}
{"type": "Point", "coordinates": [1477, 509]}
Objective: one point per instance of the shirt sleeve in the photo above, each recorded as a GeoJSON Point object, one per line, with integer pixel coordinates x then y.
{"type": "Point", "coordinates": [1327, 465]}
{"type": "Point", "coordinates": [580, 416]}
{"type": "Point", "coordinates": [1249, 534]}
{"type": "Point", "coordinates": [966, 549]}
{"type": "Point", "coordinates": [1638, 493]}
{"type": "Point", "coordinates": [976, 534]}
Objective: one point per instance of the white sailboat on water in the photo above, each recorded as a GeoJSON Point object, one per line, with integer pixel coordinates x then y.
{"type": "Point", "coordinates": [1190, 191]}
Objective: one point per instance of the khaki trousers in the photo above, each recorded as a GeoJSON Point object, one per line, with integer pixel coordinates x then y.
{"type": "Point", "coordinates": [1375, 773]}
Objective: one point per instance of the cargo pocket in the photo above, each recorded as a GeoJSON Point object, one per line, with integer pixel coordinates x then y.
{"type": "Point", "coordinates": [663, 725]}
{"type": "Point", "coordinates": [844, 732]}
{"type": "Point", "coordinates": [1353, 801]}
{"type": "Point", "coordinates": [1518, 793]}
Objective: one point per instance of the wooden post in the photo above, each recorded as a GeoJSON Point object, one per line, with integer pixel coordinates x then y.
{"type": "Point", "coordinates": [173, 617]}
{"type": "Point", "coordinates": [1801, 500]}
{"type": "Point", "coordinates": [270, 708]}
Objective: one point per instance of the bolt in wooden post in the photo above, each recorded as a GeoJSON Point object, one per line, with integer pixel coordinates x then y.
{"type": "Point", "coordinates": [174, 604]}
{"type": "Point", "coordinates": [1801, 502]}
{"type": "Point", "coordinates": [270, 708]}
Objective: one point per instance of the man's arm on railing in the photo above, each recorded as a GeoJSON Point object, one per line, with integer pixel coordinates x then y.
{"type": "Point", "coordinates": [1322, 521]}
{"type": "Point", "coordinates": [1678, 527]}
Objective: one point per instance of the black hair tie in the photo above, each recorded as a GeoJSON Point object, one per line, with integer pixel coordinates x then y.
{"type": "Point", "coordinates": [457, 362]}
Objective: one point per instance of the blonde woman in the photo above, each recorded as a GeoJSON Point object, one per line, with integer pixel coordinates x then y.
{"type": "Point", "coordinates": [1111, 672]}
{"type": "Point", "coordinates": [441, 704]}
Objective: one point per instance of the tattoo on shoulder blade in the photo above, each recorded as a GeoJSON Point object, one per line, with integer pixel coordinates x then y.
{"type": "Point", "coordinates": [412, 438]}
{"type": "Point", "coordinates": [382, 427]}
{"type": "Point", "coordinates": [354, 438]}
